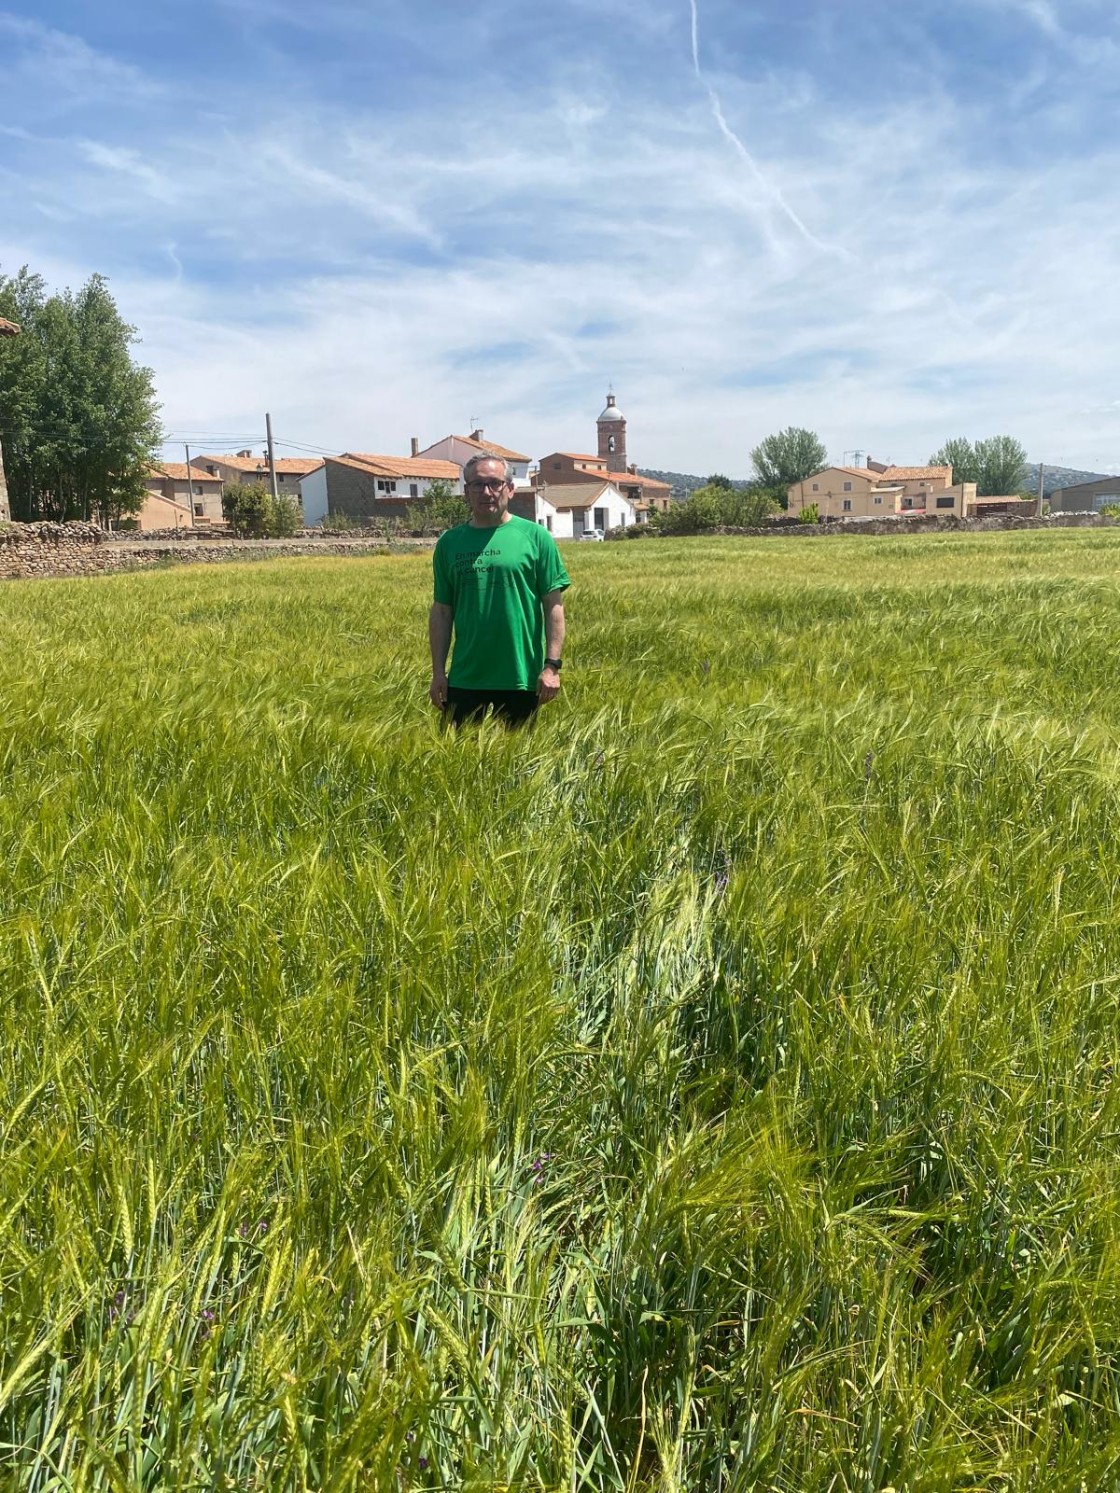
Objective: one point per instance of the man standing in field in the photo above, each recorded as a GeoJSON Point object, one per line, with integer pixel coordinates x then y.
{"type": "Point", "coordinates": [499, 585]}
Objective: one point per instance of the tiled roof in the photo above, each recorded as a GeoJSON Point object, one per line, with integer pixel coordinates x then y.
{"type": "Point", "coordinates": [177, 471]}
{"type": "Point", "coordinates": [492, 447]}
{"type": "Point", "coordinates": [625, 479]}
{"type": "Point", "coordinates": [293, 466]}
{"type": "Point", "coordinates": [401, 466]}
{"type": "Point", "coordinates": [914, 474]}
{"type": "Point", "coordinates": [8, 328]}
{"type": "Point", "coordinates": [580, 456]}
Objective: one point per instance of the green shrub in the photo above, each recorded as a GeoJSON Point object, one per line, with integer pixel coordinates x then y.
{"type": "Point", "coordinates": [253, 513]}
{"type": "Point", "coordinates": [440, 508]}
{"type": "Point", "coordinates": [717, 507]}
{"type": "Point", "coordinates": [1109, 510]}
{"type": "Point", "coordinates": [810, 514]}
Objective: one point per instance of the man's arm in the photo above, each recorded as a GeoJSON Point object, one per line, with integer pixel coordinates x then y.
{"type": "Point", "coordinates": [548, 685]}
{"type": "Point", "coordinates": [439, 641]}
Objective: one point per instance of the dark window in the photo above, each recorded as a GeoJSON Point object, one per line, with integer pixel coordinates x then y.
{"type": "Point", "coordinates": [847, 487]}
{"type": "Point", "coordinates": [816, 487]}
{"type": "Point", "coordinates": [878, 500]}
{"type": "Point", "coordinates": [548, 523]}
{"type": "Point", "coordinates": [413, 490]}
{"type": "Point", "coordinates": [555, 466]}
{"type": "Point", "coordinates": [945, 502]}
{"type": "Point", "coordinates": [383, 485]}
{"type": "Point", "coordinates": [198, 510]}
{"type": "Point", "coordinates": [600, 518]}
{"type": "Point", "coordinates": [847, 505]}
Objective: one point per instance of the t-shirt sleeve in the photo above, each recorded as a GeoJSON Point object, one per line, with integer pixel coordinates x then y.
{"type": "Point", "coordinates": [441, 576]}
{"type": "Point", "coordinates": [551, 575]}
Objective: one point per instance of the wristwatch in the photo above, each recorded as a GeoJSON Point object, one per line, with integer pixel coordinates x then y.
{"type": "Point", "coordinates": [554, 663]}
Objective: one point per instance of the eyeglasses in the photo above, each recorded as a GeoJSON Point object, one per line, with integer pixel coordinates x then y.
{"type": "Point", "coordinates": [492, 484]}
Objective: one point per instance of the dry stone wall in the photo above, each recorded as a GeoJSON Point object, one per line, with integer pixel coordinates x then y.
{"type": "Point", "coordinates": [29, 550]}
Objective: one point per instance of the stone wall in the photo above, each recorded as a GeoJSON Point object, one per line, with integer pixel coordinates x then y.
{"type": "Point", "coordinates": [29, 550]}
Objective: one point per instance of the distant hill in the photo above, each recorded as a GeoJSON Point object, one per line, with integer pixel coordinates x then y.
{"type": "Point", "coordinates": [683, 483]}
{"type": "Point", "coordinates": [1055, 477]}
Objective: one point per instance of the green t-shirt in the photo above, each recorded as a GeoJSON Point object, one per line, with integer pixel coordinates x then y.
{"type": "Point", "coordinates": [494, 581]}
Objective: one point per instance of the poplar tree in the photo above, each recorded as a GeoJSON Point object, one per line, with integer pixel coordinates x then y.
{"type": "Point", "coordinates": [78, 417]}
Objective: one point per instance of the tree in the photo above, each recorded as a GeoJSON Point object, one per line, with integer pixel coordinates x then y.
{"type": "Point", "coordinates": [716, 508]}
{"type": "Point", "coordinates": [440, 508]}
{"type": "Point", "coordinates": [252, 513]}
{"type": "Point", "coordinates": [78, 417]}
{"type": "Point", "coordinates": [717, 479]}
{"type": "Point", "coordinates": [995, 465]}
{"type": "Point", "coordinates": [959, 454]}
{"type": "Point", "coordinates": [1001, 460]}
{"type": "Point", "coordinates": [788, 457]}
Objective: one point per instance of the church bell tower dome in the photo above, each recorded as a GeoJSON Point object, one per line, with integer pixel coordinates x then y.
{"type": "Point", "coordinates": [612, 436]}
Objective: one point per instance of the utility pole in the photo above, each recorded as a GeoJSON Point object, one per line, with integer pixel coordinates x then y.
{"type": "Point", "coordinates": [271, 459]}
{"type": "Point", "coordinates": [190, 487]}
{"type": "Point", "coordinates": [1041, 469]}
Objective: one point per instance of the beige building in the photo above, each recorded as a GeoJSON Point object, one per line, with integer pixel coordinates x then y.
{"type": "Point", "coordinates": [879, 492]}
{"type": "Point", "coordinates": [197, 494]}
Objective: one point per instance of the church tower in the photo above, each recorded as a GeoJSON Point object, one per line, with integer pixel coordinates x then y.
{"type": "Point", "coordinates": [612, 436]}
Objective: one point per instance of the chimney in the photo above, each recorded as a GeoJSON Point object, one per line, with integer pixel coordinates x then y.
{"type": "Point", "coordinates": [476, 435]}
{"type": "Point", "coordinates": [632, 469]}
{"type": "Point", "coordinates": [416, 445]}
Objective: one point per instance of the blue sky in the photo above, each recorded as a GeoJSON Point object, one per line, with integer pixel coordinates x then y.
{"type": "Point", "coordinates": [891, 222]}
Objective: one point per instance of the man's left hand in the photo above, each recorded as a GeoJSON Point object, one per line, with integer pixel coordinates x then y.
{"type": "Point", "coordinates": [548, 685]}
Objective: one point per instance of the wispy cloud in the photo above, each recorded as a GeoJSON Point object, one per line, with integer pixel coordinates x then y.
{"type": "Point", "coordinates": [888, 269]}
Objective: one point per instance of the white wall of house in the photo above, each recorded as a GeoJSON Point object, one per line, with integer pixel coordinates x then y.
{"type": "Point", "coordinates": [460, 452]}
{"type": "Point", "coordinates": [313, 497]}
{"type": "Point", "coordinates": [609, 510]}
{"type": "Point", "coordinates": [558, 521]}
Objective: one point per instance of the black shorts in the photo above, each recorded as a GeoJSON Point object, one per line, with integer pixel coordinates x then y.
{"type": "Point", "coordinates": [513, 706]}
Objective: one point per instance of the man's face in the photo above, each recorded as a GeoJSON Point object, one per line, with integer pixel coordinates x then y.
{"type": "Point", "coordinates": [488, 492]}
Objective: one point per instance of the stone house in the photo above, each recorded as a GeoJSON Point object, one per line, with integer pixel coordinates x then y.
{"type": "Point", "coordinates": [363, 485]}
{"type": "Point", "coordinates": [187, 490]}
{"type": "Point", "coordinates": [463, 448]}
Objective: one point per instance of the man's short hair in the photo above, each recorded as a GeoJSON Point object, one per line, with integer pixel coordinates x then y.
{"type": "Point", "coordinates": [475, 461]}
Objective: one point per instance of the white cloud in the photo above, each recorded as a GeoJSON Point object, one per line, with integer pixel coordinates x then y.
{"type": "Point", "coordinates": [875, 276]}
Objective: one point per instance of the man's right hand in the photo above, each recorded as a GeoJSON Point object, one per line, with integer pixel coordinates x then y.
{"type": "Point", "coordinates": [437, 692]}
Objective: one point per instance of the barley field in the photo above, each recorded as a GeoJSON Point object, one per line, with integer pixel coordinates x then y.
{"type": "Point", "coordinates": [711, 1089]}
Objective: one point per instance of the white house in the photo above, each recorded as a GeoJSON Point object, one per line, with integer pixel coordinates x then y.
{"type": "Point", "coordinates": [462, 448]}
{"type": "Point", "coordinates": [567, 511]}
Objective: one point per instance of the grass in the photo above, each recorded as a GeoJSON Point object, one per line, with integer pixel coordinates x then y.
{"type": "Point", "coordinates": [712, 1089]}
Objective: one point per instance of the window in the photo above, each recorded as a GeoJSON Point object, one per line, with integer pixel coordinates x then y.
{"type": "Point", "coordinates": [878, 501]}
{"type": "Point", "coordinates": [847, 487]}
{"type": "Point", "coordinates": [610, 444]}
{"type": "Point", "coordinates": [198, 488]}
{"type": "Point", "coordinates": [198, 510]}
{"type": "Point", "coordinates": [556, 466]}
{"type": "Point", "coordinates": [413, 490]}
{"type": "Point", "coordinates": [847, 505]}
{"type": "Point", "coordinates": [600, 518]}
{"type": "Point", "coordinates": [384, 485]}
{"type": "Point", "coordinates": [548, 523]}
{"type": "Point", "coordinates": [945, 502]}
{"type": "Point", "coordinates": [816, 487]}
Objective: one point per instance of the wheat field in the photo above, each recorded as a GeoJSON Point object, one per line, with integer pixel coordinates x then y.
{"type": "Point", "coordinates": [712, 1088]}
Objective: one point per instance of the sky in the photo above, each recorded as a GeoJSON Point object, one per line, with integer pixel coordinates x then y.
{"type": "Point", "coordinates": [889, 222]}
